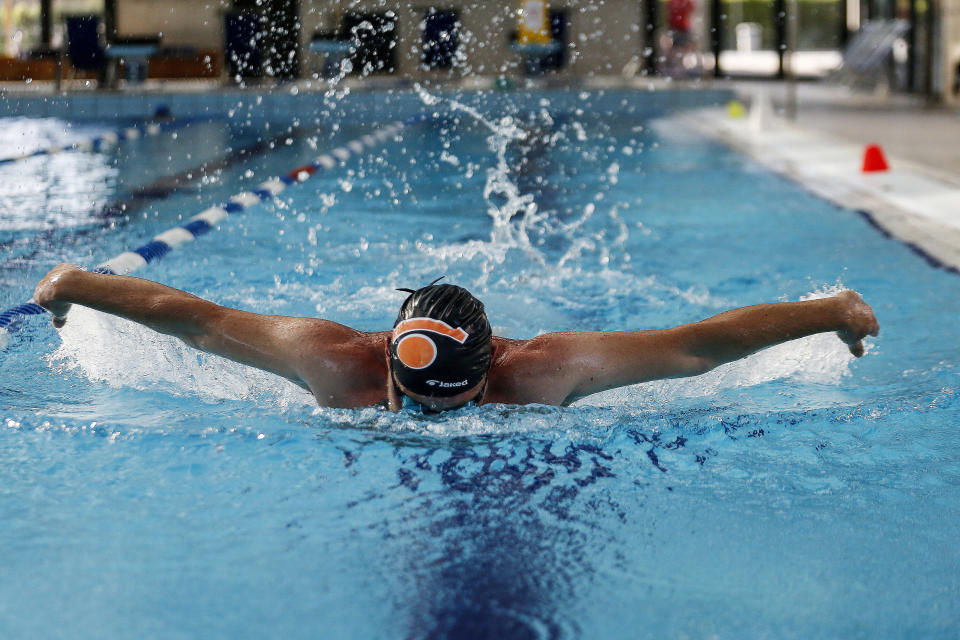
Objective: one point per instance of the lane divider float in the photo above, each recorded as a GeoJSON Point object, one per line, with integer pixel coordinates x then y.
{"type": "Point", "coordinates": [208, 219]}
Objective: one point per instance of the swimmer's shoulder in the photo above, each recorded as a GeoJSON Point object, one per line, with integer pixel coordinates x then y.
{"type": "Point", "coordinates": [527, 371]}
{"type": "Point", "coordinates": [544, 346]}
{"type": "Point", "coordinates": [346, 367]}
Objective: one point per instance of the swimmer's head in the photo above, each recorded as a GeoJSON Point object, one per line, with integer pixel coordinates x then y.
{"type": "Point", "coordinates": [441, 344]}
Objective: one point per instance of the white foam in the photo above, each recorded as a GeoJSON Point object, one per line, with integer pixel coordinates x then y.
{"type": "Point", "coordinates": [122, 354]}
{"type": "Point", "coordinates": [471, 421]}
{"type": "Point", "coordinates": [818, 359]}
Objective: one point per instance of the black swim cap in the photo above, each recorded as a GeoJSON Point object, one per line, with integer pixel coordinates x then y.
{"type": "Point", "coordinates": [441, 341]}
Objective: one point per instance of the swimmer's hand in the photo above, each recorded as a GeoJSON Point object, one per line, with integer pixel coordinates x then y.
{"type": "Point", "coordinates": [46, 293]}
{"type": "Point", "coordinates": [859, 320]}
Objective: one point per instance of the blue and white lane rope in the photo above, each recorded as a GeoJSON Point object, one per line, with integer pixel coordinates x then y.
{"type": "Point", "coordinates": [206, 221]}
{"type": "Point", "coordinates": [106, 140]}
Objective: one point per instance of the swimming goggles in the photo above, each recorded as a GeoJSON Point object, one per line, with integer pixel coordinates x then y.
{"type": "Point", "coordinates": [409, 404]}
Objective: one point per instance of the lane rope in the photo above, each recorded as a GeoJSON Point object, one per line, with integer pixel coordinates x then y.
{"type": "Point", "coordinates": [106, 140]}
{"type": "Point", "coordinates": [208, 219]}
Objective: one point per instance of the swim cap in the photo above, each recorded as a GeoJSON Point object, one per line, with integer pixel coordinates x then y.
{"type": "Point", "coordinates": [441, 341]}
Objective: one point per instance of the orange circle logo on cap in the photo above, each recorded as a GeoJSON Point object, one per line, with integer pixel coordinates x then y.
{"type": "Point", "coordinates": [416, 351]}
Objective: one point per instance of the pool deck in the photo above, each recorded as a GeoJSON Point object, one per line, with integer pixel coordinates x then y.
{"type": "Point", "coordinates": [917, 200]}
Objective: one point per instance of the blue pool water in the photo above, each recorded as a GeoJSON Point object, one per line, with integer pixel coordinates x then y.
{"type": "Point", "coordinates": [147, 490]}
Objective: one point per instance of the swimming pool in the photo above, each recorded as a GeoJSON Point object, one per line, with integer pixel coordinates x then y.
{"type": "Point", "coordinates": [150, 491]}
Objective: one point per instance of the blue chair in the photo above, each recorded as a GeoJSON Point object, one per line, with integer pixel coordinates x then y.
{"type": "Point", "coordinates": [85, 50]}
{"type": "Point", "coordinates": [242, 51]}
{"type": "Point", "coordinates": [84, 47]}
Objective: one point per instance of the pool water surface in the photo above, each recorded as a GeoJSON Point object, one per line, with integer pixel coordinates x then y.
{"type": "Point", "coordinates": [149, 490]}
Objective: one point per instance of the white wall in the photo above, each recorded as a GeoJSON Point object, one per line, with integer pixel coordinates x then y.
{"type": "Point", "coordinates": [603, 36]}
{"type": "Point", "coordinates": [949, 48]}
{"type": "Point", "coordinates": [182, 22]}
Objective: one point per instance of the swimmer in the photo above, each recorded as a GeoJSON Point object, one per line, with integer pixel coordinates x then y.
{"type": "Point", "coordinates": [441, 353]}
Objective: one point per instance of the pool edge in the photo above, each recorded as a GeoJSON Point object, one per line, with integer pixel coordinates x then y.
{"type": "Point", "coordinates": [909, 202]}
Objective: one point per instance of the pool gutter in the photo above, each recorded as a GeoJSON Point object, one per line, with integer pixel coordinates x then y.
{"type": "Point", "coordinates": [915, 204]}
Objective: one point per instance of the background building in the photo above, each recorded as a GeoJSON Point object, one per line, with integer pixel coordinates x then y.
{"type": "Point", "coordinates": [906, 45]}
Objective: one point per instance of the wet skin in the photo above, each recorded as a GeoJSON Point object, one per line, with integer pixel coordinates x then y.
{"type": "Point", "coordinates": [344, 367]}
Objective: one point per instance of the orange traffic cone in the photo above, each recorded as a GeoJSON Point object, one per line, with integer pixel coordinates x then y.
{"type": "Point", "coordinates": [874, 160]}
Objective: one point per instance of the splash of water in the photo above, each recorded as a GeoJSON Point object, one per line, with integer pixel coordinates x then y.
{"type": "Point", "coordinates": [518, 226]}
{"type": "Point", "coordinates": [818, 359]}
{"type": "Point", "coordinates": [100, 346]}
{"type": "Point", "coordinates": [513, 214]}
{"type": "Point", "coordinates": [121, 353]}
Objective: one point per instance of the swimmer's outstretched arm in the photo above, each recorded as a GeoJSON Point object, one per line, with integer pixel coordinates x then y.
{"type": "Point", "coordinates": [597, 361]}
{"type": "Point", "coordinates": [308, 351]}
